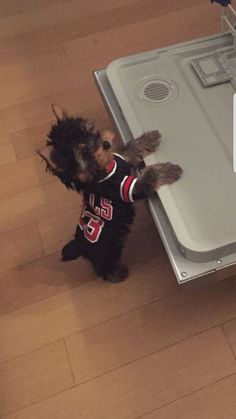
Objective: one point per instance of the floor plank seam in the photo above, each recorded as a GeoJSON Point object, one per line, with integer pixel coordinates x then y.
{"type": "Point", "coordinates": [37, 402]}
{"type": "Point", "coordinates": [190, 336]}
{"type": "Point", "coordinates": [69, 361]}
{"type": "Point", "coordinates": [21, 265]}
{"type": "Point", "coordinates": [66, 54]}
{"type": "Point", "coordinates": [137, 417]}
{"type": "Point", "coordinates": [41, 240]}
{"type": "Point", "coordinates": [120, 315]}
{"type": "Point", "coordinates": [185, 396]}
{"type": "Point", "coordinates": [228, 341]}
{"type": "Point", "coordinates": [77, 331]}
{"type": "Point", "coordinates": [41, 299]}
{"type": "Point", "coordinates": [26, 189]}
{"type": "Point", "coordinates": [147, 355]}
{"type": "Point", "coordinates": [30, 127]}
{"type": "Point", "coordinates": [76, 207]}
{"type": "Point", "coordinates": [30, 261]}
{"type": "Point", "coordinates": [31, 351]}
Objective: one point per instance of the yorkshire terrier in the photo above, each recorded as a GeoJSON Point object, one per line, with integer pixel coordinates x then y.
{"type": "Point", "coordinates": [82, 158]}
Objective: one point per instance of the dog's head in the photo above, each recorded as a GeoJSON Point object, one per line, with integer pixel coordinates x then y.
{"type": "Point", "coordinates": [76, 152]}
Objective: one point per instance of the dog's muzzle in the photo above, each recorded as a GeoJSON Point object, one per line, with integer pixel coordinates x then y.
{"type": "Point", "coordinates": [82, 165]}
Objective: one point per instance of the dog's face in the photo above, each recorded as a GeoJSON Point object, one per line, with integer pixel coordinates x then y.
{"type": "Point", "coordinates": [75, 151]}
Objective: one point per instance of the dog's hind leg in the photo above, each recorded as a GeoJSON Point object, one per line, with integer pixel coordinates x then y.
{"type": "Point", "coordinates": [138, 148]}
{"type": "Point", "coordinates": [106, 263]}
{"type": "Point", "coordinates": [119, 274]}
{"type": "Point", "coordinates": [70, 251]}
{"type": "Point", "coordinates": [114, 274]}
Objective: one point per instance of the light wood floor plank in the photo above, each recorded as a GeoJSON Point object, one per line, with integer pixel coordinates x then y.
{"type": "Point", "coordinates": [83, 307]}
{"type": "Point", "coordinates": [39, 110]}
{"type": "Point", "coordinates": [36, 84]}
{"type": "Point", "coordinates": [230, 332]}
{"type": "Point", "coordinates": [214, 402]}
{"type": "Point", "coordinates": [108, 45]}
{"type": "Point", "coordinates": [24, 70]}
{"type": "Point", "coordinates": [11, 120]}
{"type": "Point", "coordinates": [26, 142]}
{"type": "Point", "coordinates": [21, 175]}
{"type": "Point", "coordinates": [7, 153]}
{"type": "Point", "coordinates": [80, 100]}
{"type": "Point", "coordinates": [41, 279]}
{"type": "Point", "coordinates": [15, 7]}
{"type": "Point", "coordinates": [145, 384]}
{"type": "Point", "coordinates": [17, 51]}
{"type": "Point", "coordinates": [37, 204]}
{"type": "Point", "coordinates": [192, 310]}
{"type": "Point", "coordinates": [57, 230]}
{"type": "Point", "coordinates": [33, 377]}
{"type": "Point", "coordinates": [24, 16]}
{"type": "Point", "coordinates": [20, 246]}
{"type": "Point", "coordinates": [67, 22]}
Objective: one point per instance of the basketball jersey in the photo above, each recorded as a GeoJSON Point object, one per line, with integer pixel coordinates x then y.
{"type": "Point", "coordinates": [109, 201]}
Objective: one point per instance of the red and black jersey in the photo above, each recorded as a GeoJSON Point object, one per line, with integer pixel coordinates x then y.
{"type": "Point", "coordinates": [109, 201]}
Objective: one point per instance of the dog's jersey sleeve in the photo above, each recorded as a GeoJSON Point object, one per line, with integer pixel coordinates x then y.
{"type": "Point", "coordinates": [109, 201]}
{"type": "Point", "coordinates": [126, 188]}
{"type": "Point", "coordinates": [124, 181]}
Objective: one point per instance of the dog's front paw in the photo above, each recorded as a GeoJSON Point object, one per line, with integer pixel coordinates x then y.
{"type": "Point", "coordinates": [148, 142]}
{"type": "Point", "coordinates": [167, 173]}
{"type": "Point", "coordinates": [70, 251]}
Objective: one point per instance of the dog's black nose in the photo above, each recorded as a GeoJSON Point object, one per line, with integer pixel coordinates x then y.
{"type": "Point", "coordinates": [85, 152]}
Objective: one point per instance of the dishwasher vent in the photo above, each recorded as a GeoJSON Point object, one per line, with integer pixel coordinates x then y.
{"type": "Point", "coordinates": [157, 91]}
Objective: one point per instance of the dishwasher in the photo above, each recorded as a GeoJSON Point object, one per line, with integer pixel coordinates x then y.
{"type": "Point", "coordinates": [186, 92]}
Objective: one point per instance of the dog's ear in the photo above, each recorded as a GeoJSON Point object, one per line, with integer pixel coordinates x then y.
{"type": "Point", "coordinates": [108, 138]}
{"type": "Point", "coordinates": [59, 112]}
{"type": "Point", "coordinates": [46, 153]}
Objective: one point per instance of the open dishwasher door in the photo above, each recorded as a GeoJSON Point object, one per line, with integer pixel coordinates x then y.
{"type": "Point", "coordinates": [186, 92]}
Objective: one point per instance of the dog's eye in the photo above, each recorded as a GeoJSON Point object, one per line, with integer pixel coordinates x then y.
{"type": "Point", "coordinates": [106, 145]}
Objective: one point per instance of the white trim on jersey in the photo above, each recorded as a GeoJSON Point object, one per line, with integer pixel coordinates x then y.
{"type": "Point", "coordinates": [116, 154]}
{"type": "Point", "coordinates": [121, 187]}
{"type": "Point", "coordinates": [126, 188]}
{"type": "Point", "coordinates": [131, 188]}
{"type": "Point", "coordinates": [109, 174]}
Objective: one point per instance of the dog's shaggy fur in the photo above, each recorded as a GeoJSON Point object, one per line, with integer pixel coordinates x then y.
{"type": "Point", "coordinates": [83, 160]}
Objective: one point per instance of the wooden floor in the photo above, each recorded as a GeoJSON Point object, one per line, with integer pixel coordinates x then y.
{"type": "Point", "coordinates": [71, 345]}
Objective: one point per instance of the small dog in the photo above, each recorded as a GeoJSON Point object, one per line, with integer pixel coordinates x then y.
{"type": "Point", "coordinates": [83, 160]}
